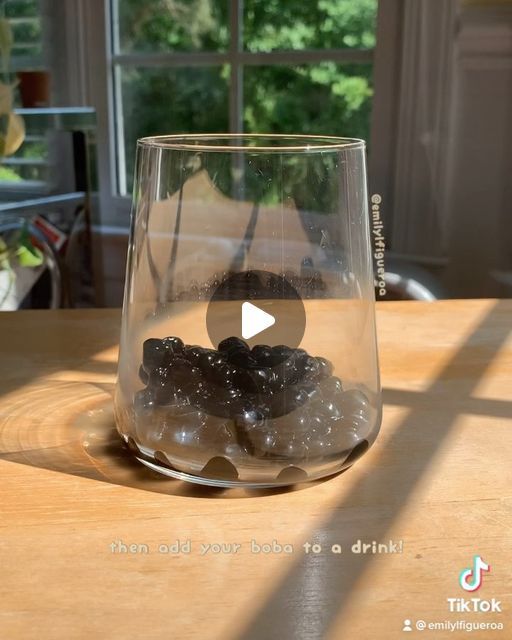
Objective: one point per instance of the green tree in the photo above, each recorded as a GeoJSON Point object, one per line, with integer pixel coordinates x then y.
{"type": "Point", "coordinates": [323, 98]}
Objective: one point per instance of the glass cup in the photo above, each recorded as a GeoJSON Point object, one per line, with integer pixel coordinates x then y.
{"type": "Point", "coordinates": [248, 351]}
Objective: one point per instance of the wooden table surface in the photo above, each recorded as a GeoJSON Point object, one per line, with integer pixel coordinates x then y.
{"type": "Point", "coordinates": [437, 484]}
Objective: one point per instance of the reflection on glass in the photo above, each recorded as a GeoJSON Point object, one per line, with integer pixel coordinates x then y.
{"type": "Point", "coordinates": [176, 100]}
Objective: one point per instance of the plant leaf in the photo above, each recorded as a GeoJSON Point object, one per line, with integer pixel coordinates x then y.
{"type": "Point", "coordinates": [29, 256]}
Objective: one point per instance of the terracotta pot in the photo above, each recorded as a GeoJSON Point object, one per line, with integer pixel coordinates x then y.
{"type": "Point", "coordinates": [34, 88]}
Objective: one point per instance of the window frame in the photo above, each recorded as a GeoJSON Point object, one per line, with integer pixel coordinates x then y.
{"type": "Point", "coordinates": [95, 60]}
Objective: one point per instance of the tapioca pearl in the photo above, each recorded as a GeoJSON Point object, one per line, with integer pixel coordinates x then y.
{"type": "Point", "coordinates": [193, 353]}
{"type": "Point", "coordinates": [203, 396]}
{"type": "Point", "coordinates": [227, 401]}
{"type": "Point", "coordinates": [311, 369]}
{"type": "Point", "coordinates": [162, 384]}
{"type": "Point", "coordinates": [287, 400]}
{"type": "Point", "coordinates": [243, 380]}
{"type": "Point", "coordinates": [243, 358]}
{"type": "Point", "coordinates": [210, 359]}
{"type": "Point", "coordinates": [250, 419]}
{"type": "Point", "coordinates": [331, 387]}
{"type": "Point", "coordinates": [281, 352]}
{"type": "Point", "coordinates": [223, 376]}
{"type": "Point", "coordinates": [262, 353]}
{"type": "Point", "coordinates": [174, 344]}
{"type": "Point", "coordinates": [325, 368]}
{"type": "Point", "coordinates": [261, 378]}
{"type": "Point", "coordinates": [354, 402]}
{"type": "Point", "coordinates": [144, 400]}
{"type": "Point", "coordinates": [154, 354]}
{"type": "Point", "coordinates": [355, 410]}
{"type": "Point", "coordinates": [324, 409]}
{"type": "Point", "coordinates": [232, 343]}
{"type": "Point", "coordinates": [341, 436]}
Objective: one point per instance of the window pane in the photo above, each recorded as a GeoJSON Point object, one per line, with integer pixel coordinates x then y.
{"type": "Point", "coordinates": [25, 20]}
{"type": "Point", "coordinates": [271, 25]}
{"type": "Point", "coordinates": [172, 25]}
{"type": "Point", "coordinates": [325, 98]}
{"type": "Point", "coordinates": [177, 100]}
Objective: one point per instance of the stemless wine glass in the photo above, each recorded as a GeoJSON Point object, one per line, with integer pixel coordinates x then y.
{"type": "Point", "coordinates": [248, 352]}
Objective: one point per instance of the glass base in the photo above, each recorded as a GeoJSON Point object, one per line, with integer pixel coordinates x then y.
{"type": "Point", "coordinates": [234, 484]}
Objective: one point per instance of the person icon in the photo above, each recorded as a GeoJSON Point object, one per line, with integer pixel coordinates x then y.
{"type": "Point", "coordinates": [407, 625]}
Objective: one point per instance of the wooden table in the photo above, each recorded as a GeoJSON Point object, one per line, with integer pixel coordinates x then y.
{"type": "Point", "coordinates": [437, 483]}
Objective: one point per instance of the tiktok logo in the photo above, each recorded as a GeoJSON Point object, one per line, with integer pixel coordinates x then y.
{"type": "Point", "coordinates": [471, 579]}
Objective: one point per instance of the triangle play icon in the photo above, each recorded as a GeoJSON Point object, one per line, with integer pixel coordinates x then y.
{"type": "Point", "coordinates": [254, 320]}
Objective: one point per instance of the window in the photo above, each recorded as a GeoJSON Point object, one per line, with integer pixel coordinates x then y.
{"type": "Point", "coordinates": [239, 65]}
{"type": "Point", "coordinates": [25, 19]}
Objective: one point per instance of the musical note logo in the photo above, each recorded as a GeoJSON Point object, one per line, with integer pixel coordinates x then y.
{"type": "Point", "coordinates": [471, 579]}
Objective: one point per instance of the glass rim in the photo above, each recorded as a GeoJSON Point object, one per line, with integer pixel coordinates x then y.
{"type": "Point", "coordinates": [199, 142]}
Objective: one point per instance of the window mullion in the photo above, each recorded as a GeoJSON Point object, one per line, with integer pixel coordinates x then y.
{"type": "Point", "coordinates": [236, 69]}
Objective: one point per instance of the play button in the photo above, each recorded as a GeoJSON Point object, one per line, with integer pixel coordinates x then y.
{"type": "Point", "coordinates": [254, 320]}
{"type": "Point", "coordinates": [258, 306]}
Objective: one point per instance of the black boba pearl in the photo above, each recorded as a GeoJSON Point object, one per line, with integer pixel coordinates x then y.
{"type": "Point", "coordinates": [174, 344]}
{"type": "Point", "coordinates": [229, 402]}
{"type": "Point", "coordinates": [144, 400]}
{"type": "Point", "coordinates": [210, 360]}
{"type": "Point", "coordinates": [250, 418]}
{"type": "Point", "coordinates": [179, 367]}
{"type": "Point", "coordinates": [143, 375]}
{"type": "Point", "coordinates": [243, 358]}
{"type": "Point", "coordinates": [281, 352]}
{"type": "Point", "coordinates": [193, 353]}
{"type": "Point", "coordinates": [204, 397]}
{"type": "Point", "coordinates": [223, 375]}
{"type": "Point", "coordinates": [186, 377]}
{"type": "Point", "coordinates": [261, 378]}
{"type": "Point", "coordinates": [263, 354]}
{"type": "Point", "coordinates": [277, 381]}
{"type": "Point", "coordinates": [311, 369]}
{"type": "Point", "coordinates": [232, 343]}
{"type": "Point", "coordinates": [243, 379]}
{"type": "Point", "coordinates": [331, 387]}
{"type": "Point", "coordinates": [303, 392]}
{"type": "Point", "coordinates": [161, 384]}
{"type": "Point", "coordinates": [325, 368]}
{"type": "Point", "coordinates": [282, 402]}
{"type": "Point", "coordinates": [294, 368]}
{"type": "Point", "coordinates": [154, 354]}
{"type": "Point", "coordinates": [159, 376]}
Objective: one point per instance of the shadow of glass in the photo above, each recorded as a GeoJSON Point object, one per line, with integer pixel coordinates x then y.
{"type": "Point", "coordinates": [73, 431]}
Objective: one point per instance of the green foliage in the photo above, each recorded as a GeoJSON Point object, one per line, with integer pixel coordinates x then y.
{"type": "Point", "coordinates": [320, 24]}
{"type": "Point", "coordinates": [323, 98]}
{"type": "Point", "coordinates": [177, 25]}
{"type": "Point", "coordinates": [8, 175]}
